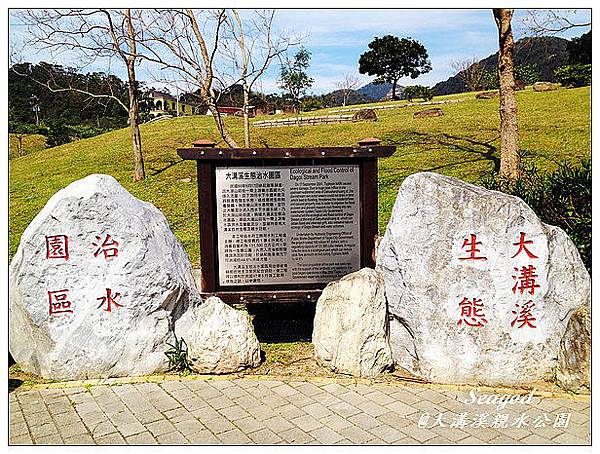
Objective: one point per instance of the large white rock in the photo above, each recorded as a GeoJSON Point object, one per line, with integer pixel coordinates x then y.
{"type": "Point", "coordinates": [454, 317]}
{"type": "Point", "coordinates": [574, 368]}
{"type": "Point", "coordinates": [220, 339]}
{"type": "Point", "coordinates": [350, 327]}
{"type": "Point", "coordinates": [60, 324]}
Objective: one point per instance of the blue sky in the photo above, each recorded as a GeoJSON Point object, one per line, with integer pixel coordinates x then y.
{"type": "Point", "coordinates": [337, 37]}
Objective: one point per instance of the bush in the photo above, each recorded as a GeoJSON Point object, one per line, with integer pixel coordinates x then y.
{"type": "Point", "coordinates": [58, 133]}
{"type": "Point", "coordinates": [417, 91]}
{"type": "Point", "coordinates": [310, 103]}
{"type": "Point", "coordinates": [529, 74]}
{"type": "Point", "coordinates": [574, 75]}
{"type": "Point", "coordinates": [562, 198]}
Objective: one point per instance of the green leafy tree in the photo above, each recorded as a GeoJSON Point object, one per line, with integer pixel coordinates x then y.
{"type": "Point", "coordinates": [293, 77]}
{"type": "Point", "coordinates": [580, 49]}
{"type": "Point", "coordinates": [391, 58]}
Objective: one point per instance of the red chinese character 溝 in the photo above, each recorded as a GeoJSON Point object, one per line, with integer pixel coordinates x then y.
{"type": "Point", "coordinates": [523, 315]}
{"type": "Point", "coordinates": [523, 247]}
{"type": "Point", "coordinates": [59, 304]}
{"type": "Point", "coordinates": [473, 250]}
{"type": "Point", "coordinates": [525, 280]}
{"type": "Point", "coordinates": [57, 247]}
{"type": "Point", "coordinates": [108, 247]}
{"type": "Point", "coordinates": [471, 313]}
{"type": "Point", "coordinates": [109, 300]}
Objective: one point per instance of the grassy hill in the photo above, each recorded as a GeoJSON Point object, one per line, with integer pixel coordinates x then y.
{"type": "Point", "coordinates": [555, 126]}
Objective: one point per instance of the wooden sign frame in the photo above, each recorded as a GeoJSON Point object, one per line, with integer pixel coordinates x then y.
{"type": "Point", "coordinates": [208, 158]}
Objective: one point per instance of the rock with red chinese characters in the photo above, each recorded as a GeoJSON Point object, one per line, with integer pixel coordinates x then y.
{"type": "Point", "coordinates": [479, 289]}
{"type": "Point", "coordinates": [96, 285]}
{"type": "Point", "coordinates": [350, 327]}
{"type": "Point", "coordinates": [219, 338]}
{"type": "Point", "coordinates": [574, 368]}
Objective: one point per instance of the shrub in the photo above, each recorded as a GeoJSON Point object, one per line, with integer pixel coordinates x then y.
{"type": "Point", "coordinates": [529, 74]}
{"type": "Point", "coordinates": [574, 75]}
{"type": "Point", "coordinates": [58, 133]}
{"type": "Point", "coordinates": [178, 357]}
{"type": "Point", "coordinates": [417, 91]}
{"type": "Point", "coordinates": [562, 198]}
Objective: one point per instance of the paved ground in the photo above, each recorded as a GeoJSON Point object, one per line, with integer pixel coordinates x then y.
{"type": "Point", "coordinates": [244, 411]}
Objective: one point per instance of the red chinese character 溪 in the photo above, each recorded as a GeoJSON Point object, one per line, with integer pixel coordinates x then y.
{"type": "Point", "coordinates": [471, 313]}
{"type": "Point", "coordinates": [524, 315]}
{"type": "Point", "coordinates": [525, 280]}
{"type": "Point", "coordinates": [57, 247]}
{"type": "Point", "coordinates": [59, 304]}
{"type": "Point", "coordinates": [523, 247]}
{"type": "Point", "coordinates": [108, 247]}
{"type": "Point", "coordinates": [109, 300]}
{"type": "Point", "coordinates": [472, 250]}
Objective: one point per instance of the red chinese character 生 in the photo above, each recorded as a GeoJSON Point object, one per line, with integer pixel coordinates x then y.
{"type": "Point", "coordinates": [57, 247]}
{"type": "Point", "coordinates": [58, 301]}
{"type": "Point", "coordinates": [109, 300]}
{"type": "Point", "coordinates": [108, 247]}
{"type": "Point", "coordinates": [525, 280]}
{"type": "Point", "coordinates": [523, 247]}
{"type": "Point", "coordinates": [471, 313]}
{"type": "Point", "coordinates": [524, 315]}
{"type": "Point", "coordinates": [472, 250]}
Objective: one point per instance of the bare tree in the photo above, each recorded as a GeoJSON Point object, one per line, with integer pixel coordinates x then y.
{"type": "Point", "coordinates": [553, 21]}
{"type": "Point", "coordinates": [347, 85]}
{"type": "Point", "coordinates": [509, 129]}
{"type": "Point", "coordinates": [471, 72]}
{"type": "Point", "coordinates": [92, 34]}
{"type": "Point", "coordinates": [250, 46]}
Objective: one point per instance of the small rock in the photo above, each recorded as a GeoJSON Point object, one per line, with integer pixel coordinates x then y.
{"type": "Point", "coordinates": [544, 86]}
{"type": "Point", "coordinates": [185, 180]}
{"type": "Point", "coordinates": [487, 95]}
{"type": "Point", "coordinates": [433, 112]}
{"type": "Point", "coordinates": [220, 339]}
{"type": "Point", "coordinates": [350, 328]}
{"type": "Point", "coordinates": [574, 367]}
{"type": "Point", "coordinates": [365, 114]}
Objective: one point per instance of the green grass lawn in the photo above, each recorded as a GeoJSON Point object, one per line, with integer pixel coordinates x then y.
{"type": "Point", "coordinates": [30, 143]}
{"type": "Point", "coordinates": [555, 126]}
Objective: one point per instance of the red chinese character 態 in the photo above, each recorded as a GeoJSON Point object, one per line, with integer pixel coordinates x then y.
{"type": "Point", "coordinates": [472, 249]}
{"type": "Point", "coordinates": [109, 300]}
{"type": "Point", "coordinates": [471, 313]}
{"type": "Point", "coordinates": [525, 280]}
{"type": "Point", "coordinates": [523, 246]}
{"type": "Point", "coordinates": [524, 315]}
{"type": "Point", "coordinates": [59, 304]}
{"type": "Point", "coordinates": [57, 247]}
{"type": "Point", "coordinates": [108, 247]}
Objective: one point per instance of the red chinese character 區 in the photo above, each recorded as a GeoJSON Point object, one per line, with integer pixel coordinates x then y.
{"type": "Point", "coordinates": [57, 247]}
{"type": "Point", "coordinates": [471, 313]}
{"type": "Point", "coordinates": [109, 300]}
{"type": "Point", "coordinates": [524, 315]}
{"type": "Point", "coordinates": [472, 250]}
{"type": "Point", "coordinates": [108, 247]}
{"type": "Point", "coordinates": [59, 304]}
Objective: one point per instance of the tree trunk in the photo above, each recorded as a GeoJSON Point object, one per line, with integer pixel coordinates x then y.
{"type": "Point", "coordinates": [227, 137]}
{"type": "Point", "coordinates": [509, 128]}
{"type": "Point", "coordinates": [246, 118]}
{"type": "Point", "coordinates": [394, 97]}
{"type": "Point", "coordinates": [138, 159]}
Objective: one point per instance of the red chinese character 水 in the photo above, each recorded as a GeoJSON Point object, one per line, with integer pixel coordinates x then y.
{"type": "Point", "coordinates": [523, 247]}
{"type": "Point", "coordinates": [108, 247]}
{"type": "Point", "coordinates": [471, 313]}
{"type": "Point", "coordinates": [472, 250]}
{"type": "Point", "coordinates": [524, 315]}
{"type": "Point", "coordinates": [57, 247]}
{"type": "Point", "coordinates": [109, 300]}
{"type": "Point", "coordinates": [58, 301]}
{"type": "Point", "coordinates": [525, 280]}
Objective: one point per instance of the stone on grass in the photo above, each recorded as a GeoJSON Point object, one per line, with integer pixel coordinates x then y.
{"type": "Point", "coordinates": [487, 95]}
{"type": "Point", "coordinates": [365, 114]}
{"type": "Point", "coordinates": [574, 368]}
{"type": "Point", "coordinates": [96, 285]}
{"type": "Point", "coordinates": [220, 339]}
{"type": "Point", "coordinates": [433, 112]}
{"type": "Point", "coordinates": [350, 327]}
{"type": "Point", "coordinates": [479, 289]}
{"type": "Point", "coordinates": [544, 86]}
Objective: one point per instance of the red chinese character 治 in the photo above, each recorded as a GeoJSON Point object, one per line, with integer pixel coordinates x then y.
{"type": "Point", "coordinates": [109, 300]}
{"type": "Point", "coordinates": [525, 280]}
{"type": "Point", "coordinates": [471, 313]}
{"type": "Point", "coordinates": [59, 304]}
{"type": "Point", "coordinates": [523, 315]}
{"type": "Point", "coordinates": [108, 247]}
{"type": "Point", "coordinates": [523, 247]}
{"type": "Point", "coordinates": [57, 247]}
{"type": "Point", "coordinates": [472, 249]}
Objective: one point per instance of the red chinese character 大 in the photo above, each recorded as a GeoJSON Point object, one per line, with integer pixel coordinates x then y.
{"type": "Point", "coordinates": [57, 247]}
{"type": "Point", "coordinates": [109, 300]}
{"type": "Point", "coordinates": [471, 313]}
{"type": "Point", "coordinates": [108, 247]}
{"type": "Point", "coordinates": [525, 280]}
{"type": "Point", "coordinates": [523, 247]}
{"type": "Point", "coordinates": [523, 315]}
{"type": "Point", "coordinates": [472, 250]}
{"type": "Point", "coordinates": [58, 301]}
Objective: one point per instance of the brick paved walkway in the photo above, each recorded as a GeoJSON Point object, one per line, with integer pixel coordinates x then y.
{"type": "Point", "coordinates": [244, 411]}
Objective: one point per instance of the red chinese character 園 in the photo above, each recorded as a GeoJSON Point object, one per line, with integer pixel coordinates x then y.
{"type": "Point", "coordinates": [523, 315]}
{"type": "Point", "coordinates": [57, 247]}
{"type": "Point", "coordinates": [58, 301]}
{"type": "Point", "coordinates": [472, 250]}
{"type": "Point", "coordinates": [525, 280]}
{"type": "Point", "coordinates": [471, 313]}
{"type": "Point", "coordinates": [109, 300]}
{"type": "Point", "coordinates": [523, 247]}
{"type": "Point", "coordinates": [108, 247]}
